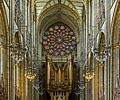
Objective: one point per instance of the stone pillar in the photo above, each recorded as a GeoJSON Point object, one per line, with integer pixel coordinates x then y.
{"type": "Point", "coordinates": [93, 31]}
{"type": "Point", "coordinates": [33, 92]}
{"type": "Point", "coordinates": [18, 79]}
{"type": "Point", "coordinates": [63, 96]}
{"type": "Point", "coordinates": [70, 71]}
{"type": "Point", "coordinates": [107, 38]}
{"type": "Point", "coordinates": [87, 32]}
{"type": "Point", "coordinates": [95, 16]}
{"type": "Point", "coordinates": [29, 93]}
{"type": "Point", "coordinates": [4, 62]}
{"type": "Point", "coordinates": [67, 96]}
{"type": "Point", "coordinates": [11, 74]}
{"type": "Point", "coordinates": [26, 88]}
{"type": "Point", "coordinates": [11, 80]}
{"type": "Point", "coordinates": [22, 82]}
{"type": "Point", "coordinates": [52, 96]}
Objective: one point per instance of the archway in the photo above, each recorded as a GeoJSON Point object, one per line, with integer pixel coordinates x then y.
{"type": "Point", "coordinates": [54, 22]}
{"type": "Point", "coordinates": [99, 67]}
{"type": "Point", "coordinates": [115, 52]}
{"type": "Point", "coordinates": [17, 45]}
{"type": "Point", "coordinates": [57, 13]}
{"type": "Point", "coordinates": [3, 54]}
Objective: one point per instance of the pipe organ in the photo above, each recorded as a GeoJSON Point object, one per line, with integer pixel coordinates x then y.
{"type": "Point", "coordinates": [59, 78]}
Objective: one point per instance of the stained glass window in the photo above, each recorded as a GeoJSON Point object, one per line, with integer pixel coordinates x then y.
{"type": "Point", "coordinates": [59, 39]}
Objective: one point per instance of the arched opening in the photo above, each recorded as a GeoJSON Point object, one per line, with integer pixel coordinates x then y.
{"type": "Point", "coordinates": [116, 53]}
{"type": "Point", "coordinates": [28, 69]}
{"type": "Point", "coordinates": [59, 33]}
{"type": "Point", "coordinates": [3, 56]}
{"type": "Point", "coordinates": [53, 15]}
{"type": "Point", "coordinates": [99, 67]}
{"type": "Point", "coordinates": [17, 45]}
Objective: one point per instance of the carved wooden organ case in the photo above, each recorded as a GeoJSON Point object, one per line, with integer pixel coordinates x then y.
{"type": "Point", "coordinates": [59, 78]}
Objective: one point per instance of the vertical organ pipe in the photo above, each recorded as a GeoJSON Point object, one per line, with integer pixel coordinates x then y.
{"type": "Point", "coordinates": [48, 71]}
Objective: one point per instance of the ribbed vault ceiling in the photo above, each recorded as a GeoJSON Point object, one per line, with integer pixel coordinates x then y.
{"type": "Point", "coordinates": [76, 5]}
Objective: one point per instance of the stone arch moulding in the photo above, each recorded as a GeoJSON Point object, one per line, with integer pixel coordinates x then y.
{"type": "Point", "coordinates": [114, 14]}
{"type": "Point", "coordinates": [4, 49]}
{"type": "Point", "coordinates": [114, 18]}
{"type": "Point", "coordinates": [65, 19]}
{"type": "Point", "coordinates": [3, 24]}
{"type": "Point", "coordinates": [18, 38]}
{"type": "Point", "coordinates": [53, 13]}
{"type": "Point", "coordinates": [100, 38]}
{"type": "Point", "coordinates": [28, 58]}
{"type": "Point", "coordinates": [4, 14]}
{"type": "Point", "coordinates": [115, 41]}
{"type": "Point", "coordinates": [63, 2]}
{"type": "Point", "coordinates": [56, 7]}
{"type": "Point", "coordinates": [90, 58]}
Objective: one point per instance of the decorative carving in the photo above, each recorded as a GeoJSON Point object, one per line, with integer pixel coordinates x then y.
{"type": "Point", "coordinates": [59, 39]}
{"type": "Point", "coordinates": [18, 14]}
{"type": "Point", "coordinates": [101, 12]}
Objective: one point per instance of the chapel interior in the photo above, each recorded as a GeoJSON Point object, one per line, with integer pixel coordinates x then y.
{"type": "Point", "coordinates": [59, 49]}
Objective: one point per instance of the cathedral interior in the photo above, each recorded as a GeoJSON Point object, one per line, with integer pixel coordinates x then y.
{"type": "Point", "coordinates": [59, 49]}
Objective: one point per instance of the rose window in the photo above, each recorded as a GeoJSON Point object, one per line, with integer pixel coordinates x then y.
{"type": "Point", "coordinates": [59, 39]}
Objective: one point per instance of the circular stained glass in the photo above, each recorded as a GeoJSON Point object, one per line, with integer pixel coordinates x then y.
{"type": "Point", "coordinates": [59, 39]}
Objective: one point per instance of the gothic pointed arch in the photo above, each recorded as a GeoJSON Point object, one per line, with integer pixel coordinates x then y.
{"type": "Point", "coordinates": [115, 37]}
{"type": "Point", "coordinates": [3, 54]}
{"type": "Point", "coordinates": [100, 40]}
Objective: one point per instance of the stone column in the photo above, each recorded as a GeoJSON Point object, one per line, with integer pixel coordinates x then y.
{"type": "Point", "coordinates": [81, 58]}
{"type": "Point", "coordinates": [95, 15]}
{"type": "Point", "coordinates": [11, 74]}
{"type": "Point", "coordinates": [107, 38]}
{"type": "Point", "coordinates": [87, 32]}
{"type": "Point", "coordinates": [26, 88]}
{"type": "Point", "coordinates": [22, 82]}
{"type": "Point", "coordinates": [70, 70]}
{"type": "Point", "coordinates": [29, 93]}
{"type": "Point", "coordinates": [93, 32]}
{"type": "Point", "coordinates": [4, 67]}
{"type": "Point", "coordinates": [52, 96]}
{"type": "Point", "coordinates": [63, 96]}
{"type": "Point", "coordinates": [33, 92]}
{"type": "Point", "coordinates": [67, 96]}
{"type": "Point", "coordinates": [11, 81]}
